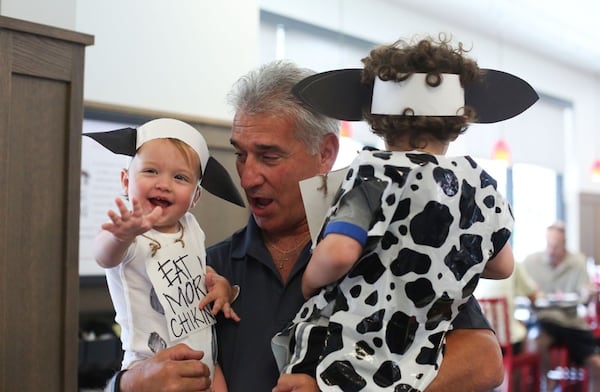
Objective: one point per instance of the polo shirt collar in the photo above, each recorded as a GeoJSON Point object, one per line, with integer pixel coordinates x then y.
{"type": "Point", "coordinates": [249, 243]}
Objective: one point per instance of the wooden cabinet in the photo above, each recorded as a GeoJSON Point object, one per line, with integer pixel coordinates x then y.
{"type": "Point", "coordinates": [41, 95]}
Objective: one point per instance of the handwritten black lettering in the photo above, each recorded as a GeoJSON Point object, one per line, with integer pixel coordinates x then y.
{"type": "Point", "coordinates": [190, 320]}
{"type": "Point", "coordinates": [173, 272]}
{"type": "Point", "coordinates": [187, 294]}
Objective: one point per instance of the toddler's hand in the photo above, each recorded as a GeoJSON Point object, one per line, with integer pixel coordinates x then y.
{"type": "Point", "coordinates": [126, 225]}
{"type": "Point", "coordinates": [220, 293]}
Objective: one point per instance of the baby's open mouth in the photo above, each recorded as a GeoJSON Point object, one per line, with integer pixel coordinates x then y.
{"type": "Point", "coordinates": [155, 201]}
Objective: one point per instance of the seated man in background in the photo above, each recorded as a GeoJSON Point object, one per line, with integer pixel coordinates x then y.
{"type": "Point", "coordinates": [559, 272]}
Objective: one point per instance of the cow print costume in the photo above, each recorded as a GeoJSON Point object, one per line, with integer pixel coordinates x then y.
{"type": "Point", "coordinates": [383, 326]}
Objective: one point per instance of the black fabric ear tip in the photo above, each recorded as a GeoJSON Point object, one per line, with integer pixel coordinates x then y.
{"type": "Point", "coordinates": [499, 96]}
{"type": "Point", "coordinates": [119, 141]}
{"type": "Point", "coordinates": [217, 181]}
{"type": "Point", "coordinates": [338, 94]}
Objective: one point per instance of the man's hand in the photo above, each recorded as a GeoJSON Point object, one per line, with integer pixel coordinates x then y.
{"type": "Point", "coordinates": [175, 369]}
{"type": "Point", "coordinates": [296, 383]}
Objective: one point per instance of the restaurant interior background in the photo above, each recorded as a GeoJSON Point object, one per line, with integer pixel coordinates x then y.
{"type": "Point", "coordinates": [156, 58]}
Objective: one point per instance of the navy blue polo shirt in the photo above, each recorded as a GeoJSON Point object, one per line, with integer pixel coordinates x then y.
{"type": "Point", "coordinates": [266, 305]}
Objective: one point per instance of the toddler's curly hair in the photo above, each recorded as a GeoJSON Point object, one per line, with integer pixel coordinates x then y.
{"type": "Point", "coordinates": [433, 57]}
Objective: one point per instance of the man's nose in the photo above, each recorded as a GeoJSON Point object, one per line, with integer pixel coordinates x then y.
{"type": "Point", "coordinates": [250, 174]}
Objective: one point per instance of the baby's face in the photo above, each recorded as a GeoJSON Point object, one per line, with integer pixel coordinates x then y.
{"type": "Point", "coordinates": [161, 175]}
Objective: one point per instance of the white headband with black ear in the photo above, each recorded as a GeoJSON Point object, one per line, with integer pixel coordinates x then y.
{"type": "Point", "coordinates": [417, 96]}
{"type": "Point", "coordinates": [162, 128]}
{"type": "Point", "coordinates": [340, 94]}
{"type": "Point", "coordinates": [215, 178]}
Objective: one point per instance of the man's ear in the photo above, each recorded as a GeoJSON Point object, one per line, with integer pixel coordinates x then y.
{"type": "Point", "coordinates": [125, 182]}
{"type": "Point", "coordinates": [329, 148]}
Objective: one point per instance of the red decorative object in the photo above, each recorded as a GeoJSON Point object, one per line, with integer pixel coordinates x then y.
{"type": "Point", "coordinates": [501, 151]}
{"type": "Point", "coordinates": [596, 171]}
{"type": "Point", "coordinates": [346, 129]}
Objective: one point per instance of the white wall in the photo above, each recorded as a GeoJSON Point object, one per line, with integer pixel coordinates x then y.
{"type": "Point", "coordinates": [57, 13]}
{"type": "Point", "coordinates": [172, 56]}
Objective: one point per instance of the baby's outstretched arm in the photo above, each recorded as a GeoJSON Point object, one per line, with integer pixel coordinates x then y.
{"type": "Point", "coordinates": [220, 293]}
{"type": "Point", "coordinates": [115, 237]}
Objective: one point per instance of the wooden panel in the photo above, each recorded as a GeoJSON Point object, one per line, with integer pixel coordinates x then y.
{"type": "Point", "coordinates": [23, 26]}
{"type": "Point", "coordinates": [41, 89]}
{"type": "Point", "coordinates": [4, 178]}
{"type": "Point", "coordinates": [44, 57]}
{"type": "Point", "coordinates": [36, 245]}
{"type": "Point", "coordinates": [71, 206]}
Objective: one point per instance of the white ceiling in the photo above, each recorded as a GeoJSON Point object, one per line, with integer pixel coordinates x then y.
{"type": "Point", "coordinates": [566, 31]}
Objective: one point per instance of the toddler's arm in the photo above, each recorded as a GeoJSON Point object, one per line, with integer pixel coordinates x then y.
{"type": "Point", "coordinates": [332, 258]}
{"type": "Point", "coordinates": [501, 266]}
{"type": "Point", "coordinates": [219, 384]}
{"type": "Point", "coordinates": [112, 241]}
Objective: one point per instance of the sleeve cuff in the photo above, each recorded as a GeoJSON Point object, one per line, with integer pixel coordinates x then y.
{"type": "Point", "coordinates": [237, 290]}
{"type": "Point", "coordinates": [348, 229]}
{"type": "Point", "coordinates": [114, 385]}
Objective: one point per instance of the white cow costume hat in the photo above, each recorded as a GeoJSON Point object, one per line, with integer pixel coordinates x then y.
{"type": "Point", "coordinates": [215, 178]}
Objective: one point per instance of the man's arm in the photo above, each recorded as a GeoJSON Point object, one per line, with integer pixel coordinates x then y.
{"type": "Point", "coordinates": [472, 362]}
{"type": "Point", "coordinates": [176, 368]}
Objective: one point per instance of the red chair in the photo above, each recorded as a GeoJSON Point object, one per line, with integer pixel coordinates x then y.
{"type": "Point", "coordinates": [570, 376]}
{"type": "Point", "coordinates": [522, 370]}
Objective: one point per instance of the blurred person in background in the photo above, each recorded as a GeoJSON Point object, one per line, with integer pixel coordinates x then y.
{"type": "Point", "coordinates": [563, 279]}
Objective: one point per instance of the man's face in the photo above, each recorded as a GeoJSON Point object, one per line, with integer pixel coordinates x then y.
{"type": "Point", "coordinates": [270, 163]}
{"type": "Point", "coordinates": [555, 246]}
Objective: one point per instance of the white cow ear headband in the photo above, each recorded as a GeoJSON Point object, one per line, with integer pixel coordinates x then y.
{"type": "Point", "coordinates": [126, 141]}
{"type": "Point", "coordinates": [497, 96]}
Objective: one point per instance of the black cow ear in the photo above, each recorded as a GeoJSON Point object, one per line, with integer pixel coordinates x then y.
{"type": "Point", "coordinates": [217, 181]}
{"type": "Point", "coordinates": [119, 141]}
{"type": "Point", "coordinates": [337, 94]}
{"type": "Point", "coordinates": [499, 96]}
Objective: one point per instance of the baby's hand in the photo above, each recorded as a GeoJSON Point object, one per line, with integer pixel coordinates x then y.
{"type": "Point", "coordinates": [220, 293]}
{"type": "Point", "coordinates": [126, 225]}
